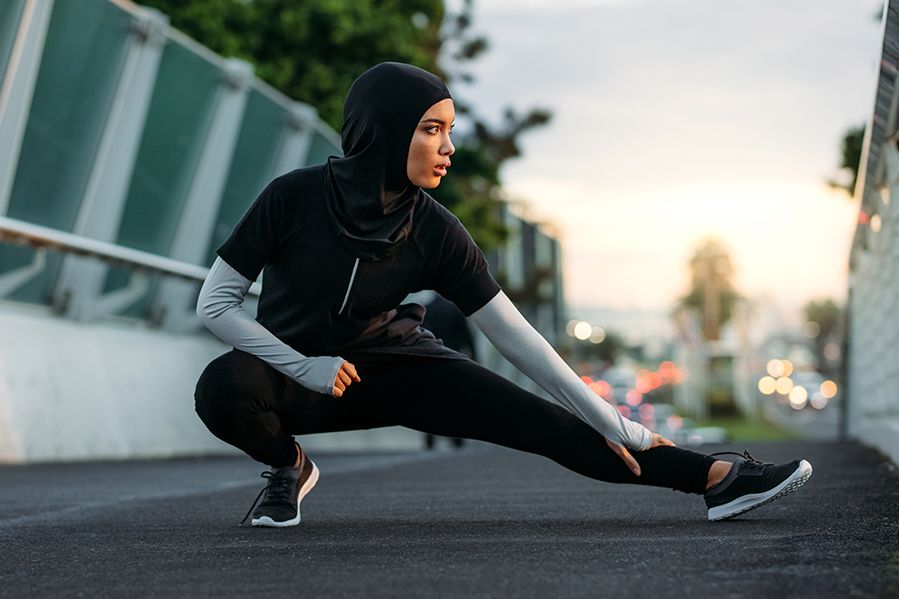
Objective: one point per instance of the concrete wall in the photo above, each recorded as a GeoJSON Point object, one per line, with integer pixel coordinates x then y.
{"type": "Point", "coordinates": [71, 390]}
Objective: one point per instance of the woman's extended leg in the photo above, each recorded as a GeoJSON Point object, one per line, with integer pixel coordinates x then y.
{"type": "Point", "coordinates": [459, 398]}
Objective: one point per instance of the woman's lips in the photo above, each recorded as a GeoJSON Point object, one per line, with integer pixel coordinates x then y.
{"type": "Point", "coordinates": [440, 170]}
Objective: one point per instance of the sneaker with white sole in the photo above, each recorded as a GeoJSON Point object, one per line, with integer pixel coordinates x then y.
{"type": "Point", "coordinates": [751, 483]}
{"type": "Point", "coordinates": [285, 490]}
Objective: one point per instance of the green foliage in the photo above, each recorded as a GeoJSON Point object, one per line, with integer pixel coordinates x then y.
{"type": "Point", "coordinates": [312, 51]}
{"type": "Point", "coordinates": [829, 316]}
{"type": "Point", "coordinates": [851, 157]}
{"type": "Point", "coordinates": [711, 292]}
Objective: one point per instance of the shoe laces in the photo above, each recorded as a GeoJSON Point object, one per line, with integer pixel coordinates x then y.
{"type": "Point", "coordinates": [745, 455]}
{"type": "Point", "coordinates": [278, 489]}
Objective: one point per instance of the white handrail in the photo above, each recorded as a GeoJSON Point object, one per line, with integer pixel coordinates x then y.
{"type": "Point", "coordinates": [24, 233]}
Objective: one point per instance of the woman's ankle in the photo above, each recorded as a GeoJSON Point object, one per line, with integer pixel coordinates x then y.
{"type": "Point", "coordinates": [717, 473]}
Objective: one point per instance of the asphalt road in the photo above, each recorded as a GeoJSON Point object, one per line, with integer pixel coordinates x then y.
{"type": "Point", "coordinates": [480, 522]}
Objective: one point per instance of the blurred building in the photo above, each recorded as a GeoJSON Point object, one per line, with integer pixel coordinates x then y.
{"type": "Point", "coordinates": [872, 413]}
{"type": "Point", "coordinates": [529, 269]}
{"type": "Point", "coordinates": [128, 152]}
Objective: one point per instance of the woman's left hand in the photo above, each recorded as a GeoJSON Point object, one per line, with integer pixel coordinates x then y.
{"type": "Point", "coordinates": [624, 454]}
{"type": "Point", "coordinates": [658, 440]}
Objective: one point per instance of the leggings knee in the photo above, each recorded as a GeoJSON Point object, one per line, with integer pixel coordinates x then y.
{"type": "Point", "coordinates": [222, 395]}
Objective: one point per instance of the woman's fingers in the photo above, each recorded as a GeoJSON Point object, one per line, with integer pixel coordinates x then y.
{"type": "Point", "coordinates": [658, 440]}
{"type": "Point", "coordinates": [625, 455]}
{"type": "Point", "coordinates": [351, 370]}
{"type": "Point", "coordinates": [345, 377]}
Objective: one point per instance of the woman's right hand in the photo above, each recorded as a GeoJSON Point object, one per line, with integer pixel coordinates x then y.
{"type": "Point", "coordinates": [345, 377]}
{"type": "Point", "coordinates": [622, 451]}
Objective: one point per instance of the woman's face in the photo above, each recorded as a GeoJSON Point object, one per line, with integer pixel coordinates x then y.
{"type": "Point", "coordinates": [431, 147]}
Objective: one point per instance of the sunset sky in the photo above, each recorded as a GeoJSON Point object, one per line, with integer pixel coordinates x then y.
{"type": "Point", "coordinates": [674, 119]}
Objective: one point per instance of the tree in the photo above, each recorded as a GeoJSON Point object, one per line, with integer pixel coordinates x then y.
{"type": "Point", "coordinates": [851, 159]}
{"type": "Point", "coordinates": [711, 292]}
{"type": "Point", "coordinates": [827, 317]}
{"type": "Point", "coordinates": [312, 51]}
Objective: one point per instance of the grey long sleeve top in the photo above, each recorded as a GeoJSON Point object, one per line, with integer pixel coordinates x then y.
{"type": "Point", "coordinates": [219, 307]}
{"type": "Point", "coordinates": [514, 337]}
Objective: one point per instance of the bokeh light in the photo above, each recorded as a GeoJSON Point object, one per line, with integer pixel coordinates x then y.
{"type": "Point", "coordinates": [818, 401]}
{"type": "Point", "coordinates": [633, 397]}
{"type": "Point", "coordinates": [788, 367]}
{"type": "Point", "coordinates": [583, 330]}
{"type": "Point", "coordinates": [783, 385]}
{"type": "Point", "coordinates": [832, 351]}
{"type": "Point", "coordinates": [798, 397]}
{"type": "Point", "coordinates": [597, 335]}
{"type": "Point", "coordinates": [828, 389]}
{"type": "Point", "coordinates": [767, 385]}
{"type": "Point", "coordinates": [775, 368]}
{"type": "Point", "coordinates": [811, 329]}
{"type": "Point", "coordinates": [675, 422]}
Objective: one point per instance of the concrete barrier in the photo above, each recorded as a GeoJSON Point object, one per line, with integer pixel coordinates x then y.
{"type": "Point", "coordinates": [117, 389]}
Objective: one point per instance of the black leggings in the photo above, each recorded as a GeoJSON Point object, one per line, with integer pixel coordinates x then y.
{"type": "Point", "coordinates": [247, 403]}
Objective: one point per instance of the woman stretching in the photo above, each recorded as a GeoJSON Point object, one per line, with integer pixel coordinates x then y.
{"type": "Point", "coordinates": [333, 349]}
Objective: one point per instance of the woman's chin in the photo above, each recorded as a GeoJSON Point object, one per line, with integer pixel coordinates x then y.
{"type": "Point", "coordinates": [430, 183]}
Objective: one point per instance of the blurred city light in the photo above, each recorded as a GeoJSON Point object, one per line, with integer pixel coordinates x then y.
{"type": "Point", "coordinates": [788, 367]}
{"type": "Point", "coordinates": [775, 368]}
{"type": "Point", "coordinates": [767, 385]}
{"type": "Point", "coordinates": [832, 351]}
{"type": "Point", "coordinates": [569, 327]}
{"type": "Point", "coordinates": [828, 389]}
{"type": "Point", "coordinates": [818, 401]}
{"type": "Point", "coordinates": [674, 422]}
{"type": "Point", "coordinates": [875, 223]}
{"type": "Point", "coordinates": [811, 329]}
{"type": "Point", "coordinates": [798, 394]}
{"type": "Point", "coordinates": [798, 397]}
{"type": "Point", "coordinates": [783, 385]}
{"type": "Point", "coordinates": [583, 330]}
{"type": "Point", "coordinates": [646, 411]}
{"type": "Point", "coordinates": [624, 410]}
{"type": "Point", "coordinates": [597, 334]}
{"type": "Point", "coordinates": [633, 397]}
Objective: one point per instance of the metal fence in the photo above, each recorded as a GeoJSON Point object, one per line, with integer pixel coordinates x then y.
{"type": "Point", "coordinates": [116, 128]}
{"type": "Point", "coordinates": [873, 307]}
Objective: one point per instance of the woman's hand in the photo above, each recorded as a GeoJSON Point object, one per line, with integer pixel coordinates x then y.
{"type": "Point", "coordinates": [345, 377]}
{"type": "Point", "coordinates": [625, 455]}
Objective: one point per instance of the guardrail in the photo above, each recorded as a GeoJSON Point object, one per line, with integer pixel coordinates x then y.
{"type": "Point", "coordinates": [43, 238]}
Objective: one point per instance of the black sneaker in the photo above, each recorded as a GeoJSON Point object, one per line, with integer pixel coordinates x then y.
{"type": "Point", "coordinates": [751, 483]}
{"type": "Point", "coordinates": [283, 494]}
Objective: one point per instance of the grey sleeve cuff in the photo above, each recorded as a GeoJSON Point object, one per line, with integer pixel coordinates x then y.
{"type": "Point", "coordinates": [220, 308]}
{"type": "Point", "coordinates": [515, 338]}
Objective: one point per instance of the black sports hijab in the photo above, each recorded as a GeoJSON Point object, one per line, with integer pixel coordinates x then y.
{"type": "Point", "coordinates": [370, 197]}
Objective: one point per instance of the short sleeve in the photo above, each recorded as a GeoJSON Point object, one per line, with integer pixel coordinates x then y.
{"type": "Point", "coordinates": [461, 273]}
{"type": "Point", "coordinates": [254, 241]}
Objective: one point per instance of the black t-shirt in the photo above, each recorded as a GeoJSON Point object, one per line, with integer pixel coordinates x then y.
{"type": "Point", "coordinates": [308, 300]}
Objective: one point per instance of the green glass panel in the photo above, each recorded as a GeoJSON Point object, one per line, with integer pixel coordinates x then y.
{"type": "Point", "coordinates": [178, 121]}
{"type": "Point", "coordinates": [258, 145]}
{"type": "Point", "coordinates": [76, 82]}
{"type": "Point", "coordinates": [10, 14]}
{"type": "Point", "coordinates": [320, 148]}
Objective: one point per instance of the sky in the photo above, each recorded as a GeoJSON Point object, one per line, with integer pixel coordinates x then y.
{"type": "Point", "coordinates": [678, 119]}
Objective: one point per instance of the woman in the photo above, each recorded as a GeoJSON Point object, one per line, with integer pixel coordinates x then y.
{"type": "Point", "coordinates": [332, 348]}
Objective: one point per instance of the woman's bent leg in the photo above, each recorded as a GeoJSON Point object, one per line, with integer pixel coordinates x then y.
{"type": "Point", "coordinates": [459, 398]}
{"type": "Point", "coordinates": [247, 403]}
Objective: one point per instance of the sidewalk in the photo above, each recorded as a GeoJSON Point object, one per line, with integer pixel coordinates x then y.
{"type": "Point", "coordinates": [484, 522]}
